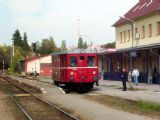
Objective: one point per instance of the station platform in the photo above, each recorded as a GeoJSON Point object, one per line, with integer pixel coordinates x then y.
{"type": "Point", "coordinates": [142, 91]}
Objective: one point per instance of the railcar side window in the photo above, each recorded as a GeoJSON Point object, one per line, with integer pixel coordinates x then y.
{"type": "Point", "coordinates": [91, 61]}
{"type": "Point", "coordinates": [73, 62]}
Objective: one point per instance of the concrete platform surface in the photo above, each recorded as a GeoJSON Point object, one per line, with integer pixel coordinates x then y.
{"type": "Point", "coordinates": [146, 92]}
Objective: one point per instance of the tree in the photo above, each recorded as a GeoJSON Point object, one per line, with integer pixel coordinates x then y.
{"type": "Point", "coordinates": [110, 45]}
{"type": "Point", "coordinates": [63, 46]}
{"type": "Point", "coordinates": [1, 58]}
{"type": "Point", "coordinates": [17, 39]}
{"type": "Point", "coordinates": [91, 43]}
{"type": "Point", "coordinates": [80, 43]}
{"type": "Point", "coordinates": [85, 45]}
{"type": "Point", "coordinates": [14, 65]}
{"type": "Point", "coordinates": [48, 46]}
{"type": "Point", "coordinates": [5, 53]}
{"type": "Point", "coordinates": [25, 45]}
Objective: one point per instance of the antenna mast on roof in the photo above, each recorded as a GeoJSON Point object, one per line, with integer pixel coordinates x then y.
{"type": "Point", "coordinates": [78, 27]}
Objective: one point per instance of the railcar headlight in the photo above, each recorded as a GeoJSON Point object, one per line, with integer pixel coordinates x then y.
{"type": "Point", "coordinates": [93, 72]}
{"type": "Point", "coordinates": [71, 73]}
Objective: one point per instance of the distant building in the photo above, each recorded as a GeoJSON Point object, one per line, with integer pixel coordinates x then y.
{"type": "Point", "coordinates": [39, 65]}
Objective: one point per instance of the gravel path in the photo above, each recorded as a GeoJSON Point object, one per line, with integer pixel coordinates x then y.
{"type": "Point", "coordinates": [5, 109]}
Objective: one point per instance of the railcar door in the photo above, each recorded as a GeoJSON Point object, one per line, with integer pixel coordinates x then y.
{"type": "Point", "coordinates": [82, 69]}
{"type": "Point", "coordinates": [73, 68]}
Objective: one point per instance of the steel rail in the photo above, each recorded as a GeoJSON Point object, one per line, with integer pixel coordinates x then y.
{"type": "Point", "coordinates": [16, 102]}
{"type": "Point", "coordinates": [50, 104]}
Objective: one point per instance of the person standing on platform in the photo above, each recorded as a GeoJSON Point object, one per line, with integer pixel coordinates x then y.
{"type": "Point", "coordinates": [135, 74]}
{"type": "Point", "coordinates": [130, 79]}
{"type": "Point", "coordinates": [154, 75]}
{"type": "Point", "coordinates": [124, 79]}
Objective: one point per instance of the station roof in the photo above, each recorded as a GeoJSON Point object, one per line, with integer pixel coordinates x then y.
{"type": "Point", "coordinates": [106, 51]}
{"type": "Point", "coordinates": [141, 9]}
{"type": "Point", "coordinates": [144, 47]}
{"type": "Point", "coordinates": [35, 58]}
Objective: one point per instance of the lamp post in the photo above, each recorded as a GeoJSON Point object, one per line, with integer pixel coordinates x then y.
{"type": "Point", "coordinates": [132, 54]}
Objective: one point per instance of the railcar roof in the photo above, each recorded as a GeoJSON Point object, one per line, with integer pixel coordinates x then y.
{"type": "Point", "coordinates": [77, 51]}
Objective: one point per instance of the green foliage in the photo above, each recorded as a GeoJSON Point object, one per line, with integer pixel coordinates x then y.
{"type": "Point", "coordinates": [110, 45]}
{"type": "Point", "coordinates": [25, 45]}
{"type": "Point", "coordinates": [14, 65]}
{"type": "Point", "coordinates": [149, 106]}
{"type": "Point", "coordinates": [63, 46]}
{"type": "Point", "coordinates": [80, 43]}
{"type": "Point", "coordinates": [85, 45]}
{"type": "Point", "coordinates": [17, 39]}
{"type": "Point", "coordinates": [5, 53]}
{"type": "Point", "coordinates": [91, 43]}
{"type": "Point", "coordinates": [48, 46]}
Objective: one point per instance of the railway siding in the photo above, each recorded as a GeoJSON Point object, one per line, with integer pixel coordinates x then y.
{"type": "Point", "coordinates": [6, 109]}
{"type": "Point", "coordinates": [35, 107]}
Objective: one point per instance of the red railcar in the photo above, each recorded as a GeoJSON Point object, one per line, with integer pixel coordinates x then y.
{"type": "Point", "coordinates": [75, 69]}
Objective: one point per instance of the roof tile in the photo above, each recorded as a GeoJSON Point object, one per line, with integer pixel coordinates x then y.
{"type": "Point", "coordinates": [142, 8]}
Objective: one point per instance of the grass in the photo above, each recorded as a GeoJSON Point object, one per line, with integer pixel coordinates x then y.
{"type": "Point", "coordinates": [136, 89]}
{"type": "Point", "coordinates": [141, 107]}
{"type": "Point", "coordinates": [156, 91]}
{"type": "Point", "coordinates": [17, 98]}
{"type": "Point", "coordinates": [109, 85]}
{"type": "Point", "coordinates": [149, 106]}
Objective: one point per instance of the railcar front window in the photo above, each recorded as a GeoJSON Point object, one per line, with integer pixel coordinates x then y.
{"type": "Point", "coordinates": [73, 62]}
{"type": "Point", "coordinates": [91, 61]}
{"type": "Point", "coordinates": [81, 57]}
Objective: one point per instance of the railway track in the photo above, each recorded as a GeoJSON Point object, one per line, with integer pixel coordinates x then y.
{"type": "Point", "coordinates": [33, 106]}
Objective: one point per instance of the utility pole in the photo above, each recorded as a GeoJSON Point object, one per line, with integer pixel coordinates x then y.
{"type": "Point", "coordinates": [13, 49]}
{"type": "Point", "coordinates": [3, 66]}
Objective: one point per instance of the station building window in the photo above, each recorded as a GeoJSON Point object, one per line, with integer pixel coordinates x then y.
{"type": "Point", "coordinates": [124, 33]}
{"type": "Point", "coordinates": [158, 28]}
{"type": "Point", "coordinates": [129, 35]}
{"type": "Point", "coordinates": [136, 30]}
{"type": "Point", "coordinates": [150, 30]}
{"type": "Point", "coordinates": [143, 32]}
{"type": "Point", "coordinates": [121, 37]}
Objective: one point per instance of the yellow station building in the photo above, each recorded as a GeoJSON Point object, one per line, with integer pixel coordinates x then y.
{"type": "Point", "coordinates": [137, 43]}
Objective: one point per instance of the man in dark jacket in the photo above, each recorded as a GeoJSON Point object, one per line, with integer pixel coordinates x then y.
{"type": "Point", "coordinates": [124, 79]}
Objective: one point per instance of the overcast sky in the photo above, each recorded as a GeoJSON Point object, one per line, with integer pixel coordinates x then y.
{"type": "Point", "coordinates": [58, 18]}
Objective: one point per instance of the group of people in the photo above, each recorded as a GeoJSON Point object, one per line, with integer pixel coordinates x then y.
{"type": "Point", "coordinates": [125, 77]}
